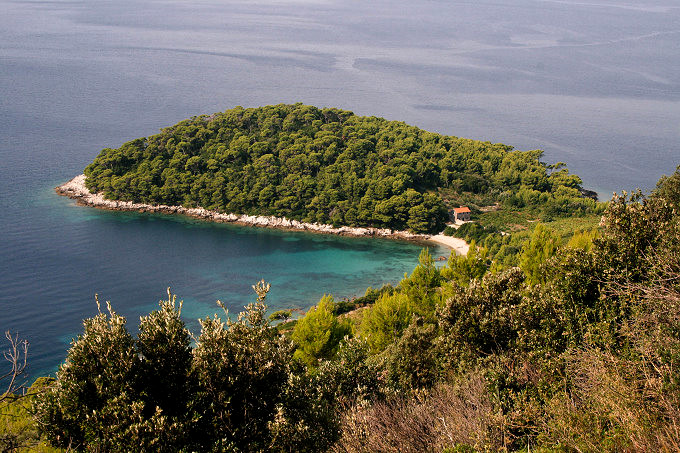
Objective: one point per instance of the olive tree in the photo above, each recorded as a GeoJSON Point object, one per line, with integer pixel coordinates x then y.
{"type": "Point", "coordinates": [93, 402]}
{"type": "Point", "coordinates": [114, 391]}
{"type": "Point", "coordinates": [242, 368]}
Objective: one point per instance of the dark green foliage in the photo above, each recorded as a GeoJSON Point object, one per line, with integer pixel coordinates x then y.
{"type": "Point", "coordinates": [236, 390]}
{"type": "Point", "coordinates": [479, 321]}
{"type": "Point", "coordinates": [93, 403]}
{"type": "Point", "coordinates": [574, 290]}
{"type": "Point", "coordinates": [164, 350]}
{"type": "Point", "coordinates": [668, 190]}
{"type": "Point", "coordinates": [113, 392]}
{"type": "Point", "coordinates": [351, 377]}
{"type": "Point", "coordinates": [473, 232]}
{"type": "Point", "coordinates": [320, 165]}
{"type": "Point", "coordinates": [412, 362]}
{"type": "Point", "coordinates": [306, 416]}
{"type": "Point", "coordinates": [281, 315]}
{"type": "Point", "coordinates": [634, 226]}
{"type": "Point", "coordinates": [503, 249]}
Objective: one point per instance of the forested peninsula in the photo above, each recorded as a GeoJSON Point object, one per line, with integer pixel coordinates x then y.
{"type": "Point", "coordinates": [329, 166]}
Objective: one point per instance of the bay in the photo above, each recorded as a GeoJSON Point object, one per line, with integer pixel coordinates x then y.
{"type": "Point", "coordinates": [596, 84]}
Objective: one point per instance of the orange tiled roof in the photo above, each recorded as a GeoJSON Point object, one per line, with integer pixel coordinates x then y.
{"type": "Point", "coordinates": [461, 210]}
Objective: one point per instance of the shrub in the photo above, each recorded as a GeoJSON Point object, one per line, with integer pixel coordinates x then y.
{"type": "Point", "coordinates": [385, 321]}
{"type": "Point", "coordinates": [412, 363]}
{"type": "Point", "coordinates": [93, 403]}
{"type": "Point", "coordinates": [421, 286]}
{"type": "Point", "coordinates": [281, 315]}
{"type": "Point", "coordinates": [351, 378]}
{"type": "Point", "coordinates": [241, 369]}
{"type": "Point", "coordinates": [479, 320]}
{"type": "Point", "coordinates": [541, 246]}
{"type": "Point", "coordinates": [463, 269]}
{"type": "Point", "coordinates": [236, 390]}
{"type": "Point", "coordinates": [318, 334]}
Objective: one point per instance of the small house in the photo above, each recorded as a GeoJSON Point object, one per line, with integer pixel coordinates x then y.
{"type": "Point", "coordinates": [461, 214]}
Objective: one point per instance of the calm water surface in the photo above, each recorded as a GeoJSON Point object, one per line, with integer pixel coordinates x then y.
{"type": "Point", "coordinates": [595, 84]}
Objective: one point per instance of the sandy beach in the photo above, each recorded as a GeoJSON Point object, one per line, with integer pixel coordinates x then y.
{"type": "Point", "coordinates": [459, 245]}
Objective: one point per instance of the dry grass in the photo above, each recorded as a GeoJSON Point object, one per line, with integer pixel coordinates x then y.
{"type": "Point", "coordinates": [628, 402]}
{"type": "Point", "coordinates": [442, 418]}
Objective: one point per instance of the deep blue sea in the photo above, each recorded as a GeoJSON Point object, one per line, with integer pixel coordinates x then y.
{"type": "Point", "coordinates": [594, 83]}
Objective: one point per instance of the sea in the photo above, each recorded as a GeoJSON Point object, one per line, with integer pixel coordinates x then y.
{"type": "Point", "coordinates": [593, 83]}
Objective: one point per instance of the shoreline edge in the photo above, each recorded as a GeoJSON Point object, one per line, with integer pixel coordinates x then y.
{"type": "Point", "coordinates": [76, 190]}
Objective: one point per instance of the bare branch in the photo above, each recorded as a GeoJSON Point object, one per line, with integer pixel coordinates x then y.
{"type": "Point", "coordinates": [17, 356]}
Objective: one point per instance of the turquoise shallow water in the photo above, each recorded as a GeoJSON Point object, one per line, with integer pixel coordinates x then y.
{"type": "Point", "coordinates": [594, 83]}
{"type": "Point", "coordinates": [61, 258]}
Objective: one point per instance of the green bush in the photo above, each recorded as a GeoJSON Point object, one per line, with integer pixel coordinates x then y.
{"type": "Point", "coordinates": [540, 247]}
{"type": "Point", "coordinates": [421, 286]}
{"type": "Point", "coordinates": [18, 430]}
{"type": "Point", "coordinates": [369, 297]}
{"type": "Point", "coordinates": [94, 403]}
{"type": "Point", "coordinates": [412, 362]}
{"type": "Point", "coordinates": [463, 269]}
{"type": "Point", "coordinates": [317, 335]}
{"type": "Point", "coordinates": [241, 369]}
{"type": "Point", "coordinates": [386, 320]}
{"type": "Point", "coordinates": [237, 389]}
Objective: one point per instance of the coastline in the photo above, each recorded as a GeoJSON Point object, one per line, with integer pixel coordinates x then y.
{"type": "Point", "coordinates": [76, 190]}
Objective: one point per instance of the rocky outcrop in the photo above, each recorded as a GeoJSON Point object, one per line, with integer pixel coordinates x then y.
{"type": "Point", "coordinates": [77, 190]}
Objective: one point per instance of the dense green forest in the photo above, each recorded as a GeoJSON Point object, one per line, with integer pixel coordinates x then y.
{"type": "Point", "coordinates": [575, 349]}
{"type": "Point", "coordinates": [330, 166]}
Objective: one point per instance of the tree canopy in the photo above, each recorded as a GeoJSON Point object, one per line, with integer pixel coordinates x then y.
{"type": "Point", "coordinates": [324, 165]}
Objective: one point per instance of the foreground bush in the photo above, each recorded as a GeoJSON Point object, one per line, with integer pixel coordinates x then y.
{"type": "Point", "coordinates": [235, 390]}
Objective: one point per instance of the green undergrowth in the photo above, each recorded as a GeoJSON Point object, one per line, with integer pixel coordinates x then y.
{"type": "Point", "coordinates": [18, 430]}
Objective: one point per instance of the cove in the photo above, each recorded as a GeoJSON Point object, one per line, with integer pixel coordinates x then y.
{"type": "Point", "coordinates": [130, 259]}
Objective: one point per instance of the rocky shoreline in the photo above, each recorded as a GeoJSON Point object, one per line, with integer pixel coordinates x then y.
{"type": "Point", "coordinates": [76, 189]}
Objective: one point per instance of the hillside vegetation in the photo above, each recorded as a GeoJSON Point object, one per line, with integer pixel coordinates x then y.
{"type": "Point", "coordinates": [577, 349]}
{"type": "Point", "coordinates": [330, 166]}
